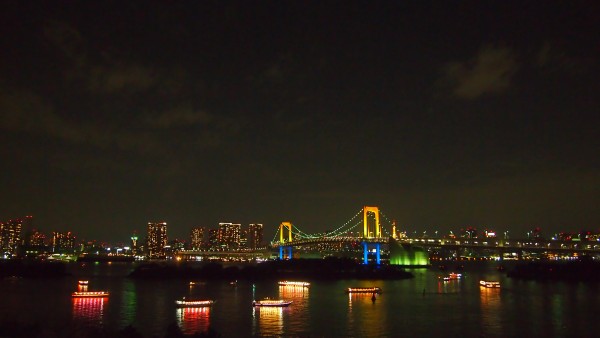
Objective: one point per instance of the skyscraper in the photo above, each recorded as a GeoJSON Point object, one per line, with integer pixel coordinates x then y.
{"type": "Point", "coordinates": [157, 239]}
{"type": "Point", "coordinates": [229, 235]}
{"type": "Point", "coordinates": [197, 238]}
{"type": "Point", "coordinates": [134, 244]}
{"type": "Point", "coordinates": [10, 236]}
{"type": "Point", "coordinates": [213, 239]}
{"type": "Point", "coordinates": [255, 235]}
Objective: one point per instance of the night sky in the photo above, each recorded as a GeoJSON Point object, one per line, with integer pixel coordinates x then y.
{"type": "Point", "coordinates": [444, 114]}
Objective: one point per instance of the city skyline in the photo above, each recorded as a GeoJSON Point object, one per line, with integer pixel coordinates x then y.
{"type": "Point", "coordinates": [445, 115]}
{"type": "Point", "coordinates": [197, 235]}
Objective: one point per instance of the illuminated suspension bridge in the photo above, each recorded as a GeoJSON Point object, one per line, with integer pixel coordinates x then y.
{"type": "Point", "coordinates": [369, 232]}
{"type": "Point", "coordinates": [372, 234]}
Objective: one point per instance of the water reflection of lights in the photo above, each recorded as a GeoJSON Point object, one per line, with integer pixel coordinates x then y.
{"type": "Point", "coordinates": [490, 309]}
{"type": "Point", "coordinates": [452, 286]}
{"type": "Point", "coordinates": [490, 297]}
{"type": "Point", "coordinates": [360, 298]}
{"type": "Point", "coordinates": [290, 291]}
{"type": "Point", "coordinates": [270, 320]}
{"type": "Point", "coordinates": [90, 310]}
{"type": "Point", "coordinates": [193, 319]}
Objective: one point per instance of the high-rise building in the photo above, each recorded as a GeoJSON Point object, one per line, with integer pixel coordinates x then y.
{"type": "Point", "coordinates": [229, 235]}
{"type": "Point", "coordinates": [255, 235]}
{"type": "Point", "coordinates": [36, 238]}
{"type": "Point", "coordinates": [157, 239]}
{"type": "Point", "coordinates": [213, 239]}
{"type": "Point", "coordinates": [63, 241]}
{"type": "Point", "coordinates": [10, 236]}
{"type": "Point", "coordinates": [197, 238]}
{"type": "Point", "coordinates": [244, 238]}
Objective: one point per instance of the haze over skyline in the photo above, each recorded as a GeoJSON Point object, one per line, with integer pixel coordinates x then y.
{"type": "Point", "coordinates": [443, 114]}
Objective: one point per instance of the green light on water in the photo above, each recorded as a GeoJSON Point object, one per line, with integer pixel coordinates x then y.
{"type": "Point", "coordinates": [407, 255]}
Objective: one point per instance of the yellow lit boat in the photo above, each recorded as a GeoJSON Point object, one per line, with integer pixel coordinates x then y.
{"type": "Point", "coordinates": [272, 302]}
{"type": "Point", "coordinates": [194, 303]}
{"type": "Point", "coordinates": [291, 283]}
{"type": "Point", "coordinates": [89, 294]}
{"type": "Point", "coordinates": [489, 284]}
{"type": "Point", "coordinates": [364, 290]}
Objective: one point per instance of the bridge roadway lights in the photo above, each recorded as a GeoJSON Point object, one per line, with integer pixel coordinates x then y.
{"type": "Point", "coordinates": [366, 253]}
{"type": "Point", "coordinates": [289, 252]}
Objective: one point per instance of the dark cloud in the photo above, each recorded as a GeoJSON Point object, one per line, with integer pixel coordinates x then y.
{"type": "Point", "coordinates": [490, 71]}
{"type": "Point", "coordinates": [25, 112]}
{"type": "Point", "coordinates": [121, 78]}
{"type": "Point", "coordinates": [181, 116]}
{"type": "Point", "coordinates": [67, 40]}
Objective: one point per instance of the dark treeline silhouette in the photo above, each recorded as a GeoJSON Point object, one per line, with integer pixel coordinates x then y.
{"type": "Point", "coordinates": [32, 269]}
{"type": "Point", "coordinates": [75, 330]}
{"type": "Point", "coordinates": [329, 268]}
{"type": "Point", "coordinates": [581, 270]}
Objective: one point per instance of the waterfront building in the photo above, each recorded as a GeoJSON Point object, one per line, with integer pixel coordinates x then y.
{"type": "Point", "coordinates": [176, 245]}
{"type": "Point", "coordinates": [213, 239]}
{"type": "Point", "coordinates": [255, 235]}
{"type": "Point", "coordinates": [243, 238]}
{"type": "Point", "coordinates": [36, 238]}
{"type": "Point", "coordinates": [229, 235]}
{"type": "Point", "coordinates": [197, 238]}
{"type": "Point", "coordinates": [157, 239]}
{"type": "Point", "coordinates": [10, 236]}
{"type": "Point", "coordinates": [63, 241]}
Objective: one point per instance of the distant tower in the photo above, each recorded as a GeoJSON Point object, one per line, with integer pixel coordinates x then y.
{"type": "Point", "coordinates": [394, 233]}
{"type": "Point", "coordinates": [157, 239]}
{"type": "Point", "coordinates": [134, 244]}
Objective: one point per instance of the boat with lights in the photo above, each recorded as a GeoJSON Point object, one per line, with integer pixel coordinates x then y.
{"type": "Point", "coordinates": [364, 290]}
{"type": "Point", "coordinates": [267, 302]}
{"type": "Point", "coordinates": [451, 276]}
{"type": "Point", "coordinates": [489, 284]}
{"type": "Point", "coordinates": [89, 294]}
{"type": "Point", "coordinates": [194, 303]}
{"type": "Point", "coordinates": [292, 283]}
{"type": "Point", "coordinates": [82, 291]}
{"type": "Point", "coordinates": [193, 283]}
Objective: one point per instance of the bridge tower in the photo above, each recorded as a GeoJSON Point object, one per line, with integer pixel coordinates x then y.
{"type": "Point", "coordinates": [282, 227]}
{"type": "Point", "coordinates": [366, 232]}
{"type": "Point", "coordinates": [371, 234]}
